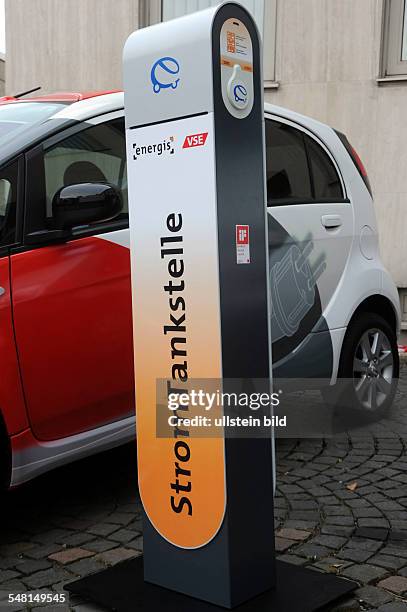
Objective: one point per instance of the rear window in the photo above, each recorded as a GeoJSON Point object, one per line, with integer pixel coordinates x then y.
{"type": "Point", "coordinates": [298, 169]}
{"type": "Point", "coordinates": [326, 182]}
{"type": "Point", "coordinates": [17, 116]}
{"type": "Point", "coordinates": [288, 177]}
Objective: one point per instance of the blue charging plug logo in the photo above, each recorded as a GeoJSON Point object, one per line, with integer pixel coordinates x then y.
{"type": "Point", "coordinates": [162, 71]}
{"type": "Point", "coordinates": [240, 93]}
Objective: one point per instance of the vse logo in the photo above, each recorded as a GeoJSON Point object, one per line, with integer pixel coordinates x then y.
{"type": "Point", "coordinates": [195, 140]}
{"type": "Point", "coordinates": [163, 72]}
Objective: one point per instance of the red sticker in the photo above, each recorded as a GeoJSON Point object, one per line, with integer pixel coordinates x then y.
{"type": "Point", "coordinates": [195, 140]}
{"type": "Point", "coordinates": [242, 234]}
{"type": "Point", "coordinates": [242, 244]}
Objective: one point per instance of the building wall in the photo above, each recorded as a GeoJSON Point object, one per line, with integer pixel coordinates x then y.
{"type": "Point", "coordinates": [327, 63]}
{"type": "Point", "coordinates": [67, 44]}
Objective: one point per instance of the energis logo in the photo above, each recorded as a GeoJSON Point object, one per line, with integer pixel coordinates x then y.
{"type": "Point", "coordinates": [156, 148]}
{"type": "Point", "coordinates": [195, 140]}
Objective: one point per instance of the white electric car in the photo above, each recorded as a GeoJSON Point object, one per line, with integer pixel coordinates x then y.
{"type": "Point", "coordinates": [65, 299]}
{"type": "Point", "coordinates": [335, 308]}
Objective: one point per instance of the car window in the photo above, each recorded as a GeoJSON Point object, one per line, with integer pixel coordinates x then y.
{"type": "Point", "coordinates": [96, 155]}
{"type": "Point", "coordinates": [288, 178]}
{"type": "Point", "coordinates": [298, 169]}
{"type": "Point", "coordinates": [15, 117]}
{"type": "Point", "coordinates": [8, 203]}
{"type": "Point", "coordinates": [326, 182]}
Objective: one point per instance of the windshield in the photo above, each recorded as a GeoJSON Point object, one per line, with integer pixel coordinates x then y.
{"type": "Point", "coordinates": [17, 116]}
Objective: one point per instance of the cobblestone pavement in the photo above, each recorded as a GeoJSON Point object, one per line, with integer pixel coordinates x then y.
{"type": "Point", "coordinates": [341, 507]}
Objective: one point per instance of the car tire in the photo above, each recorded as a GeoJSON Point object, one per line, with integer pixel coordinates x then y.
{"type": "Point", "coordinates": [368, 368]}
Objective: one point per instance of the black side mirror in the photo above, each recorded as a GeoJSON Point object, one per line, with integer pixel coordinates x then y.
{"type": "Point", "coordinates": [84, 204]}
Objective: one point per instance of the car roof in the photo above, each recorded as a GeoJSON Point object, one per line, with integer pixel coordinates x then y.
{"type": "Point", "coordinates": [80, 106]}
{"type": "Point", "coordinates": [85, 109]}
{"type": "Point", "coordinates": [109, 102]}
{"type": "Point", "coordinates": [58, 96]}
{"type": "Point", "coordinates": [83, 105]}
{"type": "Point", "coordinates": [91, 106]}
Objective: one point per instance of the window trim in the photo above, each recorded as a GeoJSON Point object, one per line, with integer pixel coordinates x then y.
{"type": "Point", "coordinates": [150, 12]}
{"type": "Point", "coordinates": [307, 132]}
{"type": "Point", "coordinates": [19, 161]}
{"type": "Point", "coordinates": [33, 214]}
{"type": "Point", "coordinates": [270, 44]}
{"type": "Point", "coordinates": [392, 39]}
{"type": "Point", "coordinates": [79, 127]}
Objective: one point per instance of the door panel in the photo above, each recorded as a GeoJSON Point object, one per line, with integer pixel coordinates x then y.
{"type": "Point", "coordinates": [311, 229]}
{"type": "Point", "coordinates": [11, 396]}
{"type": "Point", "coordinates": [319, 253]}
{"type": "Point", "coordinates": [72, 301]}
{"type": "Point", "coordinates": [72, 312]}
{"type": "Point", "coordinates": [12, 407]}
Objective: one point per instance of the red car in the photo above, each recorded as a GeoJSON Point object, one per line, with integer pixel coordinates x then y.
{"type": "Point", "coordinates": [67, 385]}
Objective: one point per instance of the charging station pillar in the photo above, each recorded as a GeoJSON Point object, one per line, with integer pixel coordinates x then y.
{"type": "Point", "coordinates": [195, 151]}
{"type": "Point", "coordinates": [195, 166]}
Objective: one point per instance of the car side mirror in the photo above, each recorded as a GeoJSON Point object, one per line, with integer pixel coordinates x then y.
{"type": "Point", "coordinates": [84, 204]}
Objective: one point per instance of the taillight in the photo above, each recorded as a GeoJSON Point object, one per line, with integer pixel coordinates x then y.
{"type": "Point", "coordinates": [356, 160]}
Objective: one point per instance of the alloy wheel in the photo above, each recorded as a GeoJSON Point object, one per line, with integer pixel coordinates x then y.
{"type": "Point", "coordinates": [373, 368]}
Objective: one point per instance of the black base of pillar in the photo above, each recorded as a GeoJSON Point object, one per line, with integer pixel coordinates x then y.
{"type": "Point", "coordinates": [122, 588]}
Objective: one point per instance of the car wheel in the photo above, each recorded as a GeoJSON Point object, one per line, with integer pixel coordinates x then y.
{"type": "Point", "coordinates": [368, 369]}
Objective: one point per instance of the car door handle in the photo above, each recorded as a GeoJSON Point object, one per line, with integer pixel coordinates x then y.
{"type": "Point", "coordinates": [331, 221]}
{"type": "Point", "coordinates": [2, 291]}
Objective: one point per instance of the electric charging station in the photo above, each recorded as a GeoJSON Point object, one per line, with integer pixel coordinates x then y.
{"type": "Point", "coordinates": [193, 87]}
{"type": "Point", "coordinates": [195, 164]}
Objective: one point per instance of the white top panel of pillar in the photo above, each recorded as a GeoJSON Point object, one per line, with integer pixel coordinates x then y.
{"type": "Point", "coordinates": [177, 8]}
{"type": "Point", "coordinates": [168, 69]}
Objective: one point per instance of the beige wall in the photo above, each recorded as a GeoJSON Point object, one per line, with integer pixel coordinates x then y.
{"type": "Point", "coordinates": [67, 44]}
{"type": "Point", "coordinates": [327, 62]}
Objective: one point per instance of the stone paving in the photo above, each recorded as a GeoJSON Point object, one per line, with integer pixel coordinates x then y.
{"type": "Point", "coordinates": [341, 507]}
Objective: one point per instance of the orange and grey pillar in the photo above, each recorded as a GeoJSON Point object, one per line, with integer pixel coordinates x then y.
{"type": "Point", "coordinates": [195, 163]}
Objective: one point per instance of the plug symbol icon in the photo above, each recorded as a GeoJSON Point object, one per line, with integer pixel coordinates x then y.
{"type": "Point", "coordinates": [240, 93]}
{"type": "Point", "coordinates": [236, 89]}
{"type": "Point", "coordinates": [292, 286]}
